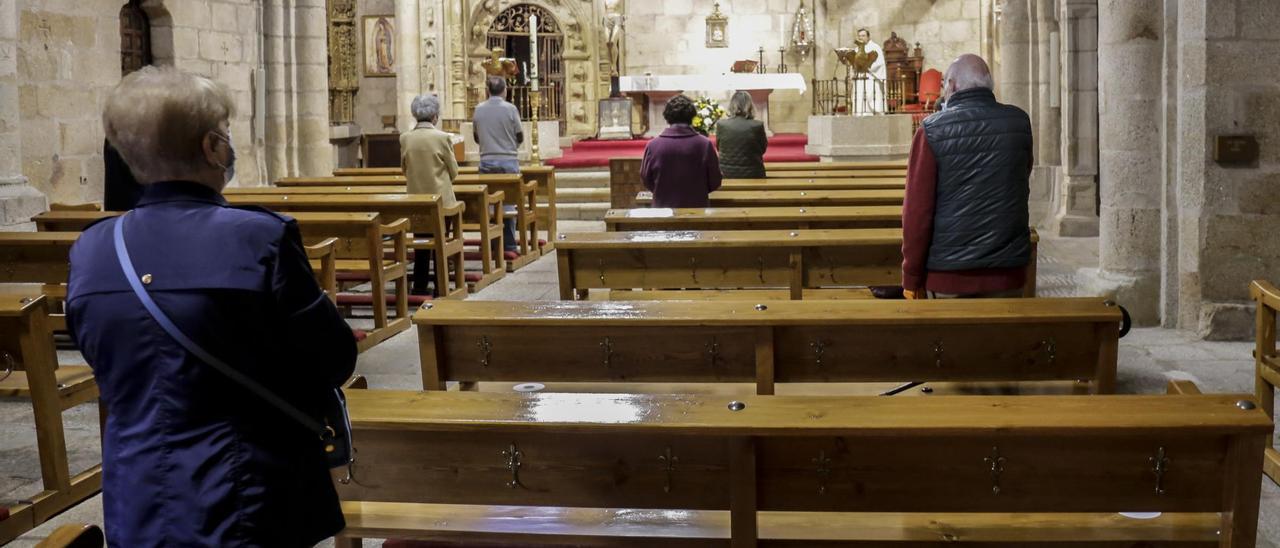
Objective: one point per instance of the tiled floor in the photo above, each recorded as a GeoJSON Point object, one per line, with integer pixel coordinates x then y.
{"type": "Point", "coordinates": [1148, 359]}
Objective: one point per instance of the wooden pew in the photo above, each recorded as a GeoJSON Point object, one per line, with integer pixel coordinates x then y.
{"type": "Point", "coordinates": [753, 218]}
{"type": "Point", "coordinates": [543, 175]}
{"type": "Point", "coordinates": [526, 218]}
{"type": "Point", "coordinates": [484, 214]}
{"type": "Point", "coordinates": [358, 250]}
{"type": "Point", "coordinates": [802, 198]}
{"type": "Point", "coordinates": [1006, 340]}
{"type": "Point", "coordinates": [870, 183]}
{"type": "Point", "coordinates": [29, 369]}
{"type": "Point", "coordinates": [686, 470]}
{"type": "Point", "coordinates": [75, 535]}
{"type": "Point", "coordinates": [425, 214]}
{"type": "Point", "coordinates": [1267, 357]}
{"type": "Point", "coordinates": [806, 263]}
{"type": "Point", "coordinates": [855, 165]}
{"type": "Point", "coordinates": [834, 174]}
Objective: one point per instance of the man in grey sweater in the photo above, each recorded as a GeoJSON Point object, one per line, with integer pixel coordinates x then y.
{"type": "Point", "coordinates": [499, 134]}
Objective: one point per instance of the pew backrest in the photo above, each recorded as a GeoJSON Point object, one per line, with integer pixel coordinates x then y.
{"type": "Point", "coordinates": [1267, 363]}
{"type": "Point", "coordinates": [753, 218]}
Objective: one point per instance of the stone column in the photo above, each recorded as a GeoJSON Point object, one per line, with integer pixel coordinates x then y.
{"type": "Point", "coordinates": [18, 199]}
{"type": "Point", "coordinates": [1130, 65]}
{"type": "Point", "coordinates": [1014, 79]}
{"type": "Point", "coordinates": [315, 153]}
{"type": "Point", "coordinates": [276, 22]}
{"type": "Point", "coordinates": [1076, 198]}
{"type": "Point", "coordinates": [408, 67]}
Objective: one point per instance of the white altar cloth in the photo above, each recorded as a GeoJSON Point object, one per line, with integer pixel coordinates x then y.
{"type": "Point", "coordinates": [661, 88]}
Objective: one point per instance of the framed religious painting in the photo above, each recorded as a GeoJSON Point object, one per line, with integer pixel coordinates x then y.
{"type": "Point", "coordinates": [379, 46]}
{"type": "Point", "coordinates": [717, 28]}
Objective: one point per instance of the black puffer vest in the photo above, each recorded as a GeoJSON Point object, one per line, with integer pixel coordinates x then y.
{"type": "Point", "coordinates": [983, 151]}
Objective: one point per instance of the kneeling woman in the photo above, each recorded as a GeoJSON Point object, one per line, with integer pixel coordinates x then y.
{"type": "Point", "coordinates": [680, 167]}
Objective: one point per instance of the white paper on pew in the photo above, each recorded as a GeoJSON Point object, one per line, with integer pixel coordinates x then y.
{"type": "Point", "coordinates": [1141, 515]}
{"type": "Point", "coordinates": [651, 213]}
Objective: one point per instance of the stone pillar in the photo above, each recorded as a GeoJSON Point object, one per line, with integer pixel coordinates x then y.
{"type": "Point", "coordinates": [1130, 65]}
{"type": "Point", "coordinates": [315, 153]}
{"type": "Point", "coordinates": [18, 199]}
{"type": "Point", "coordinates": [277, 19]}
{"type": "Point", "coordinates": [1076, 197]}
{"type": "Point", "coordinates": [1014, 79]}
{"type": "Point", "coordinates": [408, 67]}
{"type": "Point", "coordinates": [1044, 109]}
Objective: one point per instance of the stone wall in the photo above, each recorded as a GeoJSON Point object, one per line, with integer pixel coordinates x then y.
{"type": "Point", "coordinates": [669, 37]}
{"type": "Point", "coordinates": [377, 96]}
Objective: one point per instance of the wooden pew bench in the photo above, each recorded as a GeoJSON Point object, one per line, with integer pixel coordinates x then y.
{"type": "Point", "coordinates": [753, 218]}
{"type": "Point", "coordinates": [854, 165]}
{"type": "Point", "coordinates": [29, 369]}
{"type": "Point", "coordinates": [843, 262]}
{"type": "Point", "coordinates": [483, 215]}
{"type": "Point", "coordinates": [1267, 358]}
{"type": "Point", "coordinates": [1004, 340]}
{"type": "Point", "coordinates": [803, 198]}
{"type": "Point", "coordinates": [427, 220]}
{"type": "Point", "coordinates": [883, 183]}
{"type": "Point", "coordinates": [682, 470]}
{"type": "Point", "coordinates": [900, 174]}
{"type": "Point", "coordinates": [543, 175]}
{"type": "Point", "coordinates": [358, 239]}
{"type": "Point", "coordinates": [526, 218]}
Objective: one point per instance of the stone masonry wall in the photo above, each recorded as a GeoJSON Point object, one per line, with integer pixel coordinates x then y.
{"type": "Point", "coordinates": [377, 96]}
{"type": "Point", "coordinates": [669, 37]}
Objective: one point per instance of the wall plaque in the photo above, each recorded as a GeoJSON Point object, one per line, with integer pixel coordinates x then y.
{"type": "Point", "coordinates": [1235, 150]}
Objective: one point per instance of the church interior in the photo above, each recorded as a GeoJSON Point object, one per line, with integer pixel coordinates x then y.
{"type": "Point", "coordinates": [598, 363]}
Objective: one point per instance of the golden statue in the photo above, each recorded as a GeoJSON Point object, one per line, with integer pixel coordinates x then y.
{"type": "Point", "coordinates": [497, 65]}
{"type": "Point", "coordinates": [858, 58]}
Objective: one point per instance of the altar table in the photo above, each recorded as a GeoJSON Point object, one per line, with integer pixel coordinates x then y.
{"type": "Point", "coordinates": [661, 88]}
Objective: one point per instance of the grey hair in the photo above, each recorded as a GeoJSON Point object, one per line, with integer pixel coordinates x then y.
{"type": "Point", "coordinates": [970, 71]}
{"type": "Point", "coordinates": [157, 118]}
{"type": "Point", "coordinates": [426, 108]}
{"type": "Point", "coordinates": [741, 106]}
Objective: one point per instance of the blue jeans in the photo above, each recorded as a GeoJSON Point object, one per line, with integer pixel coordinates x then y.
{"type": "Point", "coordinates": [509, 240]}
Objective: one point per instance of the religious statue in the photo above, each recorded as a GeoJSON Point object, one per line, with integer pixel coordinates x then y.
{"type": "Point", "coordinates": [497, 65]}
{"type": "Point", "coordinates": [384, 39]}
{"type": "Point", "coordinates": [614, 22]}
{"type": "Point", "coordinates": [802, 31]}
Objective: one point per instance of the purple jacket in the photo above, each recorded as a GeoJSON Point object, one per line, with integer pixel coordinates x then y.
{"type": "Point", "coordinates": [680, 167]}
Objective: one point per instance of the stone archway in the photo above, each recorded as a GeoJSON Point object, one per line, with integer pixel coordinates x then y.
{"type": "Point", "coordinates": [581, 57]}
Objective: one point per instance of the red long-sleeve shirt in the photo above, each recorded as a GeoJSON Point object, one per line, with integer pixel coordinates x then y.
{"type": "Point", "coordinates": [917, 233]}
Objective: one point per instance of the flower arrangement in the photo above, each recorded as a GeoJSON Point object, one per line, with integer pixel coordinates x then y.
{"type": "Point", "coordinates": [707, 113]}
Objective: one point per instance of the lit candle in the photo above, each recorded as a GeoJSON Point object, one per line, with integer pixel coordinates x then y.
{"type": "Point", "coordinates": [533, 50]}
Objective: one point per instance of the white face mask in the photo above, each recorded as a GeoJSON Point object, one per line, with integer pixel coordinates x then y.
{"type": "Point", "coordinates": [229, 170]}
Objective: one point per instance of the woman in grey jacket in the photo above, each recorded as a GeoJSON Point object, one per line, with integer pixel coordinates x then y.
{"type": "Point", "coordinates": [741, 140]}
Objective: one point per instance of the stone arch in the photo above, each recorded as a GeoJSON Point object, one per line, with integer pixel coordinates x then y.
{"type": "Point", "coordinates": [581, 55]}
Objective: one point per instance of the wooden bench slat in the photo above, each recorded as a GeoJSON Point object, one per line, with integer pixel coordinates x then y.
{"type": "Point", "coordinates": [549, 525]}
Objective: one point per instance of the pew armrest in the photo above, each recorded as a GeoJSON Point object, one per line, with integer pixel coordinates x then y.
{"type": "Point", "coordinates": [454, 228]}
{"type": "Point", "coordinates": [1265, 293]}
{"type": "Point", "coordinates": [398, 232]}
{"type": "Point", "coordinates": [1182, 388]}
{"type": "Point", "coordinates": [75, 535]}
{"type": "Point", "coordinates": [326, 252]}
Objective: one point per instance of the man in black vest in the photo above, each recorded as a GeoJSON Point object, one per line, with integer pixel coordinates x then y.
{"type": "Point", "coordinates": [965, 219]}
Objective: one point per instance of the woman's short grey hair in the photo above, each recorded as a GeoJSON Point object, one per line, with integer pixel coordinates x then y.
{"type": "Point", "coordinates": [157, 118]}
{"type": "Point", "coordinates": [426, 108]}
{"type": "Point", "coordinates": [741, 106]}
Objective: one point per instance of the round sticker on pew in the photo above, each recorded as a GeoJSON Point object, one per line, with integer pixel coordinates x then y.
{"type": "Point", "coordinates": [529, 387]}
{"type": "Point", "coordinates": [1140, 515]}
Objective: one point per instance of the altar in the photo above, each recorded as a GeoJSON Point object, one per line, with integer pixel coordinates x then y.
{"type": "Point", "coordinates": [660, 90]}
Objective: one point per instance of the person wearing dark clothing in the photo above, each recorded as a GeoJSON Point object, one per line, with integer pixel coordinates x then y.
{"type": "Point", "coordinates": [965, 217]}
{"type": "Point", "coordinates": [741, 140]}
{"type": "Point", "coordinates": [680, 167]}
{"type": "Point", "coordinates": [189, 456]}
{"type": "Point", "coordinates": [120, 191]}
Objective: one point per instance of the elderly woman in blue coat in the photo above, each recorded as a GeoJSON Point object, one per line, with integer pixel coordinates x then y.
{"type": "Point", "coordinates": [191, 457]}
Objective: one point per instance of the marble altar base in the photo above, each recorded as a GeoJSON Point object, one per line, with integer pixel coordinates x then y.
{"type": "Point", "coordinates": [848, 138]}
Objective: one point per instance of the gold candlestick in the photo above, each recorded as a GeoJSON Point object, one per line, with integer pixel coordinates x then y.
{"type": "Point", "coordinates": [535, 102]}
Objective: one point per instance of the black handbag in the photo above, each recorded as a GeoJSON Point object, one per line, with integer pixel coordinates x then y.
{"type": "Point", "coordinates": [334, 430]}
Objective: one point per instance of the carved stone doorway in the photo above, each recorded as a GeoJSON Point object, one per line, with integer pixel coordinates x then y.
{"type": "Point", "coordinates": [510, 32]}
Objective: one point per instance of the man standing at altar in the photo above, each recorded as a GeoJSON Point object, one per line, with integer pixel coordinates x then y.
{"type": "Point", "coordinates": [965, 219]}
{"type": "Point", "coordinates": [869, 95]}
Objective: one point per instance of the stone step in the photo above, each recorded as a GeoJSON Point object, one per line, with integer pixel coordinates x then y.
{"type": "Point", "coordinates": [589, 211]}
{"type": "Point", "coordinates": [582, 179]}
{"type": "Point", "coordinates": [581, 195]}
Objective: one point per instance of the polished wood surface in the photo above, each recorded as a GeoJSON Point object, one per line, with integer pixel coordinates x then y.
{"type": "Point", "coordinates": [694, 239]}
{"type": "Point", "coordinates": [75, 535]}
{"type": "Point", "coordinates": [27, 351]}
{"type": "Point", "coordinates": [836, 174]}
{"type": "Point", "coordinates": [754, 218]}
{"type": "Point", "coordinates": [835, 166]}
{"type": "Point", "coordinates": [754, 198]}
{"type": "Point", "coordinates": [1008, 340]}
{"type": "Point", "coordinates": [484, 214]}
{"type": "Point", "coordinates": [1060, 455]}
{"type": "Point", "coordinates": [884, 183]}
{"type": "Point", "coordinates": [1267, 366]}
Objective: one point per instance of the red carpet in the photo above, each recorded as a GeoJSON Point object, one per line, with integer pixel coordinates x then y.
{"type": "Point", "coordinates": [593, 153]}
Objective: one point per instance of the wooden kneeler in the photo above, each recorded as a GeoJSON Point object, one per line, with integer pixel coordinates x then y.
{"type": "Point", "coordinates": [27, 353]}
{"type": "Point", "coordinates": [1267, 358]}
